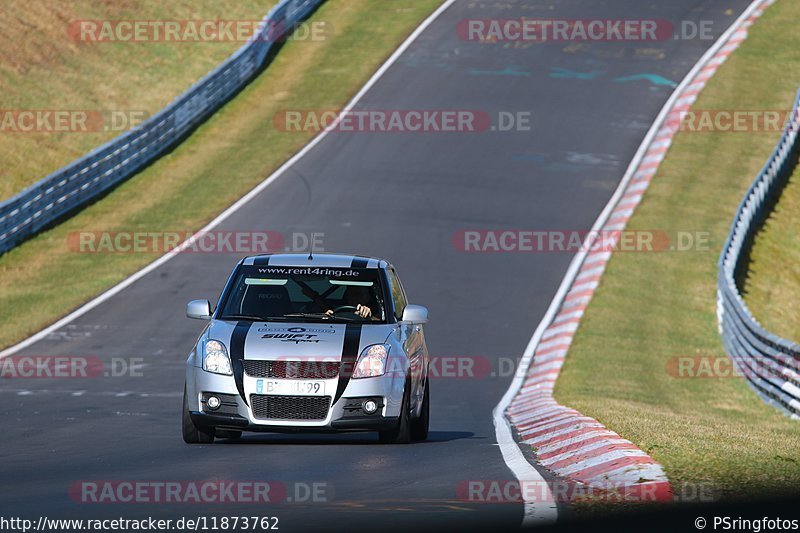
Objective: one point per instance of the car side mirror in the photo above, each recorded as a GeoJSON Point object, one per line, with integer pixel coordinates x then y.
{"type": "Point", "coordinates": [199, 309]}
{"type": "Point", "coordinates": [415, 314]}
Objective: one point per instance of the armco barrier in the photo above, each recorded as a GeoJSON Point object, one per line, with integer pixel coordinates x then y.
{"type": "Point", "coordinates": [85, 179]}
{"type": "Point", "coordinates": [770, 364]}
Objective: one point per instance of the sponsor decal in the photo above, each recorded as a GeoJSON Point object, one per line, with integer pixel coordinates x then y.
{"type": "Point", "coordinates": [312, 271]}
{"type": "Point", "coordinates": [295, 334]}
{"type": "Point", "coordinates": [296, 338]}
{"type": "Point", "coordinates": [295, 329]}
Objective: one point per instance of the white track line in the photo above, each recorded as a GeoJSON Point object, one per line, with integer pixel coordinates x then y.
{"type": "Point", "coordinates": [235, 207]}
{"type": "Point", "coordinates": [511, 451]}
{"type": "Point", "coordinates": [516, 461]}
{"type": "Point", "coordinates": [522, 469]}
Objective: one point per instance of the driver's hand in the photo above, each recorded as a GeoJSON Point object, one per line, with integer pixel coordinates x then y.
{"type": "Point", "coordinates": [329, 312]}
{"type": "Point", "coordinates": [363, 311]}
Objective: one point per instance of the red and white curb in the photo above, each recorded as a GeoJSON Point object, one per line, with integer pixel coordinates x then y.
{"type": "Point", "coordinates": [576, 447]}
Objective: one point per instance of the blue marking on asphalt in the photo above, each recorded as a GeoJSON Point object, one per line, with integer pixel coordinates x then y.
{"type": "Point", "coordinates": [655, 79]}
{"type": "Point", "coordinates": [565, 73]}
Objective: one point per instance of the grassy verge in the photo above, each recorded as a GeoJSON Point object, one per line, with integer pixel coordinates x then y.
{"type": "Point", "coordinates": [220, 162]}
{"type": "Point", "coordinates": [654, 307]}
{"type": "Point", "coordinates": [44, 65]}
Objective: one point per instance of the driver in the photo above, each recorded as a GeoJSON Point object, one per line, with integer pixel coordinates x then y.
{"type": "Point", "coordinates": [354, 296]}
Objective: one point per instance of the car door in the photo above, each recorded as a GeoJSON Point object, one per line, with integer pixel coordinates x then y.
{"type": "Point", "coordinates": [414, 343]}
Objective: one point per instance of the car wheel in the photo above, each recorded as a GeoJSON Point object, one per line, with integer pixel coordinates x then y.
{"type": "Point", "coordinates": [191, 433]}
{"type": "Point", "coordinates": [419, 426]}
{"type": "Point", "coordinates": [401, 433]}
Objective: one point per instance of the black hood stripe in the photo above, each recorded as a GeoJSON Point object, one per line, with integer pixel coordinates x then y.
{"type": "Point", "coordinates": [238, 338]}
{"type": "Point", "coordinates": [352, 341]}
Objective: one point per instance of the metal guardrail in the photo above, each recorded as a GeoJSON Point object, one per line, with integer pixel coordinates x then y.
{"type": "Point", "coordinates": [85, 179]}
{"type": "Point", "coordinates": [770, 364]}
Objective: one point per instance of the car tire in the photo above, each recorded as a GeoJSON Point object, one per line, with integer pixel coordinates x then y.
{"type": "Point", "coordinates": [419, 426]}
{"type": "Point", "coordinates": [401, 433]}
{"type": "Point", "coordinates": [191, 433]}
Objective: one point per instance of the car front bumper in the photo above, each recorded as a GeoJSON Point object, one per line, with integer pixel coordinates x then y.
{"type": "Point", "coordinates": [240, 423]}
{"type": "Point", "coordinates": [344, 414]}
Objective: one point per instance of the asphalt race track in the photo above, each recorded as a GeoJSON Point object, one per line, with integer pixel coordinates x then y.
{"type": "Point", "coordinates": [402, 196]}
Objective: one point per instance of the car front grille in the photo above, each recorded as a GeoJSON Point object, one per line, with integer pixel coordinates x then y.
{"type": "Point", "coordinates": [292, 369]}
{"type": "Point", "coordinates": [267, 407]}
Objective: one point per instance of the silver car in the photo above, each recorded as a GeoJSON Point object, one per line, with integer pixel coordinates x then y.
{"type": "Point", "coordinates": [302, 343]}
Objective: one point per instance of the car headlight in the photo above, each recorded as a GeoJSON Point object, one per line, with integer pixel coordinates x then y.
{"type": "Point", "coordinates": [215, 358]}
{"type": "Point", "coordinates": [372, 361]}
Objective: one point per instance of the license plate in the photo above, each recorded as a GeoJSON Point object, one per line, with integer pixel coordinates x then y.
{"type": "Point", "coordinates": [291, 388]}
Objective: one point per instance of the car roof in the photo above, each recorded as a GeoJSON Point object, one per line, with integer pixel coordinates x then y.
{"type": "Point", "coordinates": [318, 260]}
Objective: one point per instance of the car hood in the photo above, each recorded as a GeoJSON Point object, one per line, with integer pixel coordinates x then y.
{"type": "Point", "coordinates": [296, 341]}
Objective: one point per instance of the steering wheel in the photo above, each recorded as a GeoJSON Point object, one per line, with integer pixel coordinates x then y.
{"type": "Point", "coordinates": [351, 308]}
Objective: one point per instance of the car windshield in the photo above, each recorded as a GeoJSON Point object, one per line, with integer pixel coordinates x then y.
{"type": "Point", "coordinates": [305, 294]}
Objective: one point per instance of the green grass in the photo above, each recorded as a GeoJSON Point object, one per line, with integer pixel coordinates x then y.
{"type": "Point", "coordinates": [653, 307]}
{"type": "Point", "coordinates": [220, 162]}
{"type": "Point", "coordinates": [772, 284]}
{"type": "Point", "coordinates": [43, 67]}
